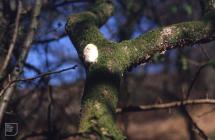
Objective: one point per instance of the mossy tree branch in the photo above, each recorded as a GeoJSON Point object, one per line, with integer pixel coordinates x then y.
{"type": "Point", "coordinates": [102, 85]}
{"type": "Point", "coordinates": [104, 73]}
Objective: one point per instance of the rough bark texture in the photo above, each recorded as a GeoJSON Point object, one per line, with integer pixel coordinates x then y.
{"type": "Point", "coordinates": [103, 76]}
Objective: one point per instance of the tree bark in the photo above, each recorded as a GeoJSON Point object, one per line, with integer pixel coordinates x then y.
{"type": "Point", "coordinates": [104, 74]}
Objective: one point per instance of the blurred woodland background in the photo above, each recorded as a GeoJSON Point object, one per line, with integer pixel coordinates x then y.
{"type": "Point", "coordinates": [49, 107]}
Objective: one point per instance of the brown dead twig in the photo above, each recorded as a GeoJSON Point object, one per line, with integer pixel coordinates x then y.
{"type": "Point", "coordinates": [195, 126]}
{"type": "Point", "coordinates": [165, 105]}
{"type": "Point", "coordinates": [183, 104]}
{"type": "Point", "coordinates": [195, 78]}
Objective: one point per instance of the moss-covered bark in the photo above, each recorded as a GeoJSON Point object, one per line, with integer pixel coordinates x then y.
{"type": "Point", "coordinates": [99, 104]}
{"type": "Point", "coordinates": [103, 75]}
{"type": "Point", "coordinates": [159, 40]}
{"type": "Point", "coordinates": [102, 84]}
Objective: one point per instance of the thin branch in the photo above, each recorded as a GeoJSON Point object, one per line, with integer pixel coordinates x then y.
{"type": "Point", "coordinates": [205, 52]}
{"type": "Point", "coordinates": [49, 40]}
{"type": "Point", "coordinates": [196, 77]}
{"type": "Point", "coordinates": [13, 41]}
{"type": "Point", "coordinates": [31, 32]}
{"type": "Point", "coordinates": [49, 113]}
{"type": "Point", "coordinates": [66, 2]}
{"type": "Point", "coordinates": [182, 103]}
{"type": "Point", "coordinates": [195, 126]}
{"type": "Point", "coordinates": [206, 113]}
{"type": "Point", "coordinates": [35, 69]}
{"type": "Point", "coordinates": [34, 78]}
{"type": "Point", "coordinates": [165, 105]}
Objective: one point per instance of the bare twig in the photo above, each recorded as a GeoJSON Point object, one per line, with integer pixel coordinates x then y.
{"type": "Point", "coordinates": [31, 32]}
{"type": "Point", "coordinates": [49, 112]}
{"type": "Point", "coordinates": [206, 113]}
{"type": "Point", "coordinates": [49, 40]}
{"type": "Point", "coordinates": [165, 105]}
{"type": "Point", "coordinates": [182, 103]}
{"type": "Point", "coordinates": [204, 51]}
{"type": "Point", "coordinates": [13, 41]}
{"type": "Point", "coordinates": [196, 77]}
{"type": "Point", "coordinates": [33, 78]}
{"type": "Point", "coordinates": [66, 2]}
{"type": "Point", "coordinates": [35, 69]}
{"type": "Point", "coordinates": [196, 128]}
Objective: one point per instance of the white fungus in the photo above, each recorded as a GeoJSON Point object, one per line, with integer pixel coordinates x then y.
{"type": "Point", "coordinates": [90, 53]}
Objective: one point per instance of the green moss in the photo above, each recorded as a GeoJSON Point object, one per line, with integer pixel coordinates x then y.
{"type": "Point", "coordinates": [138, 50]}
{"type": "Point", "coordinates": [98, 108]}
{"type": "Point", "coordinates": [103, 77]}
{"type": "Point", "coordinates": [98, 118]}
